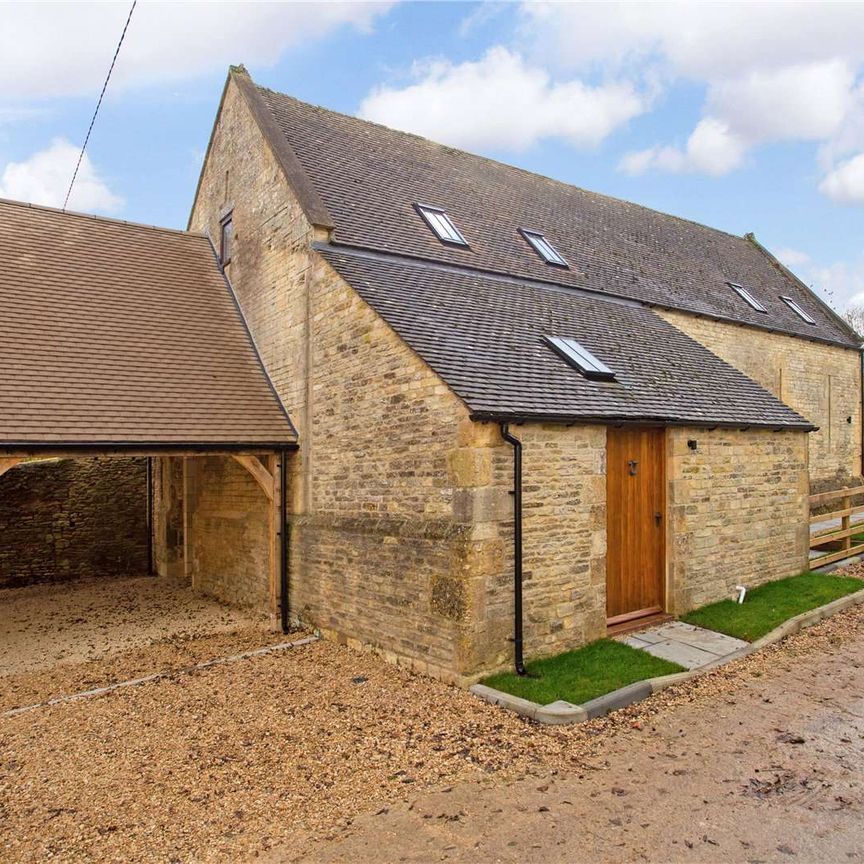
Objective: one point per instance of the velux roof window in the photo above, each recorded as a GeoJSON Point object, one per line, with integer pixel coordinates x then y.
{"type": "Point", "coordinates": [797, 310]}
{"type": "Point", "coordinates": [580, 358]}
{"type": "Point", "coordinates": [441, 224]}
{"type": "Point", "coordinates": [543, 247]}
{"type": "Point", "coordinates": [747, 297]}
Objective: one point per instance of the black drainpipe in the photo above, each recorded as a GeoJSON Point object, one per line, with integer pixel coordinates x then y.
{"type": "Point", "coordinates": [285, 540]}
{"type": "Point", "coordinates": [517, 547]}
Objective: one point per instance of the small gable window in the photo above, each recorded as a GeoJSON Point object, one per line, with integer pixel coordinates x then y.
{"type": "Point", "coordinates": [797, 310]}
{"type": "Point", "coordinates": [226, 239]}
{"type": "Point", "coordinates": [441, 225]}
{"type": "Point", "coordinates": [747, 297]}
{"type": "Point", "coordinates": [580, 358]}
{"type": "Point", "coordinates": [543, 248]}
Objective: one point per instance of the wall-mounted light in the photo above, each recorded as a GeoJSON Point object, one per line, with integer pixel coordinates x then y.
{"type": "Point", "coordinates": [692, 443]}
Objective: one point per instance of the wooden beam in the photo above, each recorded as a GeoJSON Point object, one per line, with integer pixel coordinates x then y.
{"type": "Point", "coordinates": [7, 463]}
{"type": "Point", "coordinates": [822, 497]}
{"type": "Point", "coordinates": [822, 560]}
{"type": "Point", "coordinates": [262, 476]}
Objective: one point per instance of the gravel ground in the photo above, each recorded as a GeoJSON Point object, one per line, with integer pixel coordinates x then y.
{"type": "Point", "coordinates": [283, 752]}
{"type": "Point", "coordinates": [44, 625]}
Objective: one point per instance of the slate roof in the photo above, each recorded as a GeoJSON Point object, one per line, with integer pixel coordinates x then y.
{"type": "Point", "coordinates": [483, 334]}
{"type": "Point", "coordinates": [121, 334]}
{"type": "Point", "coordinates": [365, 179]}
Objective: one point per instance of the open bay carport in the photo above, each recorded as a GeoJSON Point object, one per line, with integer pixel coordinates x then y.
{"type": "Point", "coordinates": [119, 339]}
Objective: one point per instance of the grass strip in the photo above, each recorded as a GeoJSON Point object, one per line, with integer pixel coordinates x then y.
{"type": "Point", "coordinates": [769, 605]}
{"type": "Point", "coordinates": [584, 674]}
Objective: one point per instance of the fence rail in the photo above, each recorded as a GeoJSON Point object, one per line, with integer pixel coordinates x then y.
{"type": "Point", "coordinates": [839, 541]}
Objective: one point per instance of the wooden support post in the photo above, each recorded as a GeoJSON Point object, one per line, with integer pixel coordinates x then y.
{"type": "Point", "coordinates": [7, 463]}
{"type": "Point", "coordinates": [186, 522]}
{"type": "Point", "coordinates": [846, 521]}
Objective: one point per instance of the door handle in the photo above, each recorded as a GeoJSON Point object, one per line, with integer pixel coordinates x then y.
{"type": "Point", "coordinates": [631, 464]}
{"type": "Point", "coordinates": [658, 518]}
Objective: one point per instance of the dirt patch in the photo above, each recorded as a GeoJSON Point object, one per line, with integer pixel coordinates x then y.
{"type": "Point", "coordinates": [234, 761]}
{"type": "Point", "coordinates": [46, 625]}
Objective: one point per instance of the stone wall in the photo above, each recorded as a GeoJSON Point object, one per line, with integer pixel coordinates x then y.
{"type": "Point", "coordinates": [71, 519]}
{"type": "Point", "coordinates": [564, 543]}
{"type": "Point", "coordinates": [737, 509]}
{"type": "Point", "coordinates": [228, 524]}
{"type": "Point", "coordinates": [226, 528]}
{"type": "Point", "coordinates": [383, 540]}
{"type": "Point", "coordinates": [821, 382]}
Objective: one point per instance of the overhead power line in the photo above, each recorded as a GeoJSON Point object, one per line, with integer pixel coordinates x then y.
{"type": "Point", "coordinates": [99, 103]}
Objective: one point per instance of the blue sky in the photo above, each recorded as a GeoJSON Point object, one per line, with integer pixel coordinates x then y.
{"type": "Point", "coordinates": [746, 117]}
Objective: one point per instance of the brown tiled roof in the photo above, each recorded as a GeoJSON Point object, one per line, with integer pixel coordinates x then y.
{"type": "Point", "coordinates": [489, 348]}
{"type": "Point", "coordinates": [370, 177]}
{"type": "Point", "coordinates": [120, 334]}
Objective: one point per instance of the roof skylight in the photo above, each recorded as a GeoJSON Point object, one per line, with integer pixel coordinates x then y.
{"type": "Point", "coordinates": [797, 310]}
{"type": "Point", "coordinates": [747, 297]}
{"type": "Point", "coordinates": [441, 224]}
{"type": "Point", "coordinates": [579, 357]}
{"type": "Point", "coordinates": [543, 247]}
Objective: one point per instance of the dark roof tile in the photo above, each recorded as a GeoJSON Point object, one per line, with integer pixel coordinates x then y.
{"type": "Point", "coordinates": [370, 177]}
{"type": "Point", "coordinates": [484, 337]}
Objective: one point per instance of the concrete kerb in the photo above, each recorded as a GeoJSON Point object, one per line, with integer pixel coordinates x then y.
{"type": "Point", "coordinates": [561, 713]}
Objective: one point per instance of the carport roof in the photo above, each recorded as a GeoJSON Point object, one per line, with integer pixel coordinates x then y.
{"type": "Point", "coordinates": [121, 335]}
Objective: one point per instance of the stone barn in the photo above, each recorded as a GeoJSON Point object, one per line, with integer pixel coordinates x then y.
{"type": "Point", "coordinates": [500, 381]}
{"type": "Point", "coordinates": [426, 402]}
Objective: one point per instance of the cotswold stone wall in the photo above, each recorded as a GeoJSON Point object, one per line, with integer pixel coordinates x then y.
{"type": "Point", "coordinates": [228, 531]}
{"type": "Point", "coordinates": [382, 544]}
{"type": "Point", "coordinates": [226, 528]}
{"type": "Point", "coordinates": [821, 382]}
{"type": "Point", "coordinates": [564, 543]}
{"type": "Point", "coordinates": [737, 509]}
{"type": "Point", "coordinates": [71, 519]}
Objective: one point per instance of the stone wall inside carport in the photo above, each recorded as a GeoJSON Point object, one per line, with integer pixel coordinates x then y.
{"type": "Point", "coordinates": [66, 519]}
{"type": "Point", "coordinates": [226, 523]}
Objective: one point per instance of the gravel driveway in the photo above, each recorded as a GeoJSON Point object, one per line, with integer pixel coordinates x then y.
{"type": "Point", "coordinates": [292, 755]}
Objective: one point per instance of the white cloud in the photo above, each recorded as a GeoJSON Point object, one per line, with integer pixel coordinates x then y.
{"type": "Point", "coordinates": [797, 102]}
{"type": "Point", "coordinates": [792, 258]}
{"type": "Point", "coordinates": [44, 177]}
{"type": "Point", "coordinates": [845, 183]}
{"type": "Point", "coordinates": [698, 41]}
{"type": "Point", "coordinates": [63, 49]}
{"type": "Point", "coordinates": [773, 71]}
{"type": "Point", "coordinates": [712, 148]}
{"type": "Point", "coordinates": [502, 102]}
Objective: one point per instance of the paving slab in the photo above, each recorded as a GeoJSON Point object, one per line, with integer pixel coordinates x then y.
{"type": "Point", "coordinates": [681, 653]}
{"type": "Point", "coordinates": [718, 644]}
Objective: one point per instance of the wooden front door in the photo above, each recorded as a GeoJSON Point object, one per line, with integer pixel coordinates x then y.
{"type": "Point", "coordinates": [636, 523]}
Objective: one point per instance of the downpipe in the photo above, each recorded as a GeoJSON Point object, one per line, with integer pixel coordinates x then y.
{"type": "Point", "coordinates": [284, 544]}
{"type": "Point", "coordinates": [518, 661]}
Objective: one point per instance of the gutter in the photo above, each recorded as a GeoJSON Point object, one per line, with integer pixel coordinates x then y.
{"type": "Point", "coordinates": [600, 420]}
{"type": "Point", "coordinates": [514, 442]}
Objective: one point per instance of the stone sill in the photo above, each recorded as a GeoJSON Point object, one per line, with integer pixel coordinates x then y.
{"type": "Point", "coordinates": [561, 712]}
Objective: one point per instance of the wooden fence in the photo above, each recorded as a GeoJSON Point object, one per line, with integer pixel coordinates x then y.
{"type": "Point", "coordinates": [837, 542]}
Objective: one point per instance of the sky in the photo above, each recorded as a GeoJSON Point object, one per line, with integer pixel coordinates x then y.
{"type": "Point", "coordinates": [746, 117]}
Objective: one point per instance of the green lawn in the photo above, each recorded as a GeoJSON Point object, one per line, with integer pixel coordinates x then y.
{"type": "Point", "coordinates": [584, 674]}
{"type": "Point", "coordinates": [769, 605]}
